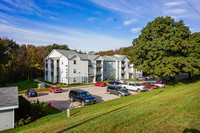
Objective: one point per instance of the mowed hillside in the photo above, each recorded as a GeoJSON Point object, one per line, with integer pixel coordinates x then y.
{"type": "Point", "coordinates": [175, 108]}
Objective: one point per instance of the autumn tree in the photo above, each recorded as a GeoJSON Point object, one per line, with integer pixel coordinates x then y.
{"type": "Point", "coordinates": [164, 48]}
{"type": "Point", "coordinates": [49, 48]}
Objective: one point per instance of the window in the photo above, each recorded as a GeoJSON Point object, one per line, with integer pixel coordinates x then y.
{"type": "Point", "coordinates": [105, 69]}
{"type": "Point", "coordinates": [74, 61]}
{"type": "Point", "coordinates": [66, 65]}
{"type": "Point", "coordinates": [74, 79]}
{"type": "Point", "coordinates": [74, 70]}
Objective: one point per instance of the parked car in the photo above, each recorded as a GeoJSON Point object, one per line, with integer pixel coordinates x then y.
{"type": "Point", "coordinates": [134, 87]}
{"type": "Point", "coordinates": [101, 84]}
{"type": "Point", "coordinates": [157, 84]}
{"type": "Point", "coordinates": [121, 81]}
{"type": "Point", "coordinates": [82, 96]}
{"type": "Point", "coordinates": [149, 86]}
{"type": "Point", "coordinates": [150, 78]}
{"type": "Point", "coordinates": [140, 78]}
{"type": "Point", "coordinates": [115, 82]}
{"type": "Point", "coordinates": [55, 89]}
{"type": "Point", "coordinates": [31, 93]}
{"type": "Point", "coordinates": [117, 90]}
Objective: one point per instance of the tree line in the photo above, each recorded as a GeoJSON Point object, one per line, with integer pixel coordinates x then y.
{"type": "Point", "coordinates": [22, 62]}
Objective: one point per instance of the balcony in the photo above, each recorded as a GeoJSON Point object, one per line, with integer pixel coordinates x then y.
{"type": "Point", "coordinates": [90, 65]}
{"type": "Point", "coordinates": [99, 65]}
{"type": "Point", "coordinates": [123, 65]}
{"type": "Point", "coordinates": [123, 72]}
{"type": "Point", "coordinates": [99, 73]}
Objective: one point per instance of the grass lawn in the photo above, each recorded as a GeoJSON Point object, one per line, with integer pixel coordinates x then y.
{"type": "Point", "coordinates": [131, 80]}
{"type": "Point", "coordinates": [25, 85]}
{"type": "Point", "coordinates": [175, 108]}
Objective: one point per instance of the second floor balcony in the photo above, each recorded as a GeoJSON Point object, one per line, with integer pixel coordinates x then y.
{"type": "Point", "coordinates": [123, 65]}
{"type": "Point", "coordinates": [99, 73]}
{"type": "Point", "coordinates": [123, 72]}
{"type": "Point", "coordinates": [99, 65]}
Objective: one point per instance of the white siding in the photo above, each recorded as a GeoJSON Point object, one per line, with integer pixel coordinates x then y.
{"type": "Point", "coordinates": [6, 119]}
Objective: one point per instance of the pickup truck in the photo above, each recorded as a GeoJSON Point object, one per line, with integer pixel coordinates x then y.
{"type": "Point", "coordinates": [134, 86]}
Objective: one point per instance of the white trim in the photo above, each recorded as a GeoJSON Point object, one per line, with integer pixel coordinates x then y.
{"type": "Point", "coordinates": [10, 107]}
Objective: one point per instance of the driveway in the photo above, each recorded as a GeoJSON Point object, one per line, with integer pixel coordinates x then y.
{"type": "Point", "coordinates": [61, 101]}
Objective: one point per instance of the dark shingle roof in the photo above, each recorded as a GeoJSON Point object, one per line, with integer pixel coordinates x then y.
{"type": "Point", "coordinates": [8, 97]}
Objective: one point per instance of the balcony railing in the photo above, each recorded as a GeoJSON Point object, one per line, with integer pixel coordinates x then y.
{"type": "Point", "coordinates": [99, 65]}
{"type": "Point", "coordinates": [123, 65]}
{"type": "Point", "coordinates": [123, 72]}
{"type": "Point", "coordinates": [99, 73]}
{"type": "Point", "coordinates": [90, 66]}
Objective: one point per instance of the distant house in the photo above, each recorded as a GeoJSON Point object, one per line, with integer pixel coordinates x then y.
{"type": "Point", "coordinates": [69, 67]}
{"type": "Point", "coordinates": [8, 103]}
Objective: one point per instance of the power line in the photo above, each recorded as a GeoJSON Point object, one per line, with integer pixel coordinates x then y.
{"type": "Point", "coordinates": [193, 7]}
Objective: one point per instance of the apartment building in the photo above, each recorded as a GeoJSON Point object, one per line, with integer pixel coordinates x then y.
{"type": "Point", "coordinates": [69, 67]}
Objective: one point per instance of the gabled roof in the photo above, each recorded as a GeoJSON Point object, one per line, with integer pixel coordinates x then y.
{"type": "Point", "coordinates": [69, 54]}
{"type": "Point", "coordinates": [107, 58]}
{"type": "Point", "coordinates": [92, 57]}
{"type": "Point", "coordinates": [8, 98]}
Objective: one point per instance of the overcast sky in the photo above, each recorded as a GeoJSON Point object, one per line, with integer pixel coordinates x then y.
{"type": "Point", "coordinates": [88, 25]}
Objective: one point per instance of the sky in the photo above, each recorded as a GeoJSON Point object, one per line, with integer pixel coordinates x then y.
{"type": "Point", "coordinates": [89, 25]}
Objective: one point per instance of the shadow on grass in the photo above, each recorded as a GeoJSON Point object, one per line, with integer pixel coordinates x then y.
{"type": "Point", "coordinates": [117, 109]}
{"type": "Point", "coordinates": [186, 81]}
{"type": "Point", "coordinates": [191, 131]}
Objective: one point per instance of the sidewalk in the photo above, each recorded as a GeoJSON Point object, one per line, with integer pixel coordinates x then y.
{"type": "Point", "coordinates": [84, 86]}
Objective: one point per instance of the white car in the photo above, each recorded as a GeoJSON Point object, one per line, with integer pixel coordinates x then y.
{"type": "Point", "coordinates": [134, 86]}
{"type": "Point", "coordinates": [121, 81]}
{"type": "Point", "coordinates": [157, 84]}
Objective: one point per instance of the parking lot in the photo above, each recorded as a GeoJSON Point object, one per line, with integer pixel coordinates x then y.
{"type": "Point", "coordinates": [61, 101]}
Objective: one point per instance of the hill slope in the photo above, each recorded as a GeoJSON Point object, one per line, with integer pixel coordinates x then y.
{"type": "Point", "coordinates": [172, 109]}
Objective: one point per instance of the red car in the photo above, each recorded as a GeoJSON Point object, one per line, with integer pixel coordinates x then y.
{"type": "Point", "coordinates": [101, 84]}
{"type": "Point", "coordinates": [55, 89]}
{"type": "Point", "coordinates": [149, 86]}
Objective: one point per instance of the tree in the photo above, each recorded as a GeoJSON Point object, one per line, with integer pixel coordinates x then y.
{"type": "Point", "coordinates": [49, 48]}
{"type": "Point", "coordinates": [163, 49]}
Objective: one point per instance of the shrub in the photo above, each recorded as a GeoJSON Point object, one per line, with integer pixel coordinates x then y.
{"type": "Point", "coordinates": [27, 112]}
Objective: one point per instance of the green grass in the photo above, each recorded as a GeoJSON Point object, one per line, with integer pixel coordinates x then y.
{"type": "Point", "coordinates": [25, 85]}
{"type": "Point", "coordinates": [172, 109]}
{"type": "Point", "coordinates": [131, 80]}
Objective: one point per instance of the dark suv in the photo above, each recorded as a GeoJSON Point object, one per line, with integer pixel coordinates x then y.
{"type": "Point", "coordinates": [83, 96]}
{"type": "Point", "coordinates": [117, 90]}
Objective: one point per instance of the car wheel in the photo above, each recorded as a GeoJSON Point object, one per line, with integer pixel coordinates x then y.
{"type": "Point", "coordinates": [83, 103]}
{"type": "Point", "coordinates": [120, 95]}
{"type": "Point", "coordinates": [71, 99]}
{"type": "Point", "coordinates": [109, 92]}
{"type": "Point", "coordinates": [138, 90]}
{"type": "Point", "coordinates": [151, 88]}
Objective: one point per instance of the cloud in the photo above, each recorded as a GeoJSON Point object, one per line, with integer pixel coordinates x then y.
{"type": "Point", "coordinates": [177, 3]}
{"type": "Point", "coordinates": [175, 11]}
{"type": "Point", "coordinates": [135, 30]}
{"type": "Point", "coordinates": [129, 22]}
{"type": "Point", "coordinates": [76, 39]}
{"type": "Point", "coordinates": [4, 21]}
{"type": "Point", "coordinates": [91, 19]}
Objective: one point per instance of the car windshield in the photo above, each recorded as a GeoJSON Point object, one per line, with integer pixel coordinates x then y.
{"type": "Point", "coordinates": [137, 84]}
{"type": "Point", "coordinates": [32, 91]}
{"type": "Point", "coordinates": [85, 94]}
{"type": "Point", "coordinates": [57, 88]}
{"type": "Point", "coordinates": [121, 88]}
